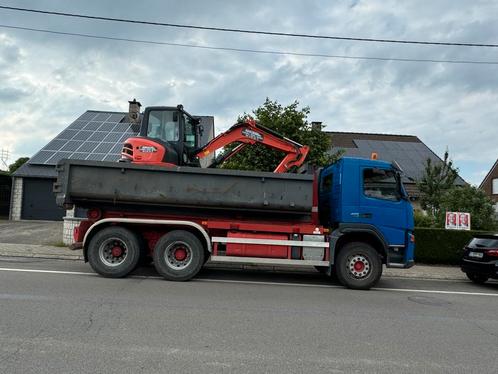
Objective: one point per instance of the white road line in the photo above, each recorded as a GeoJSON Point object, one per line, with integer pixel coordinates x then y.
{"type": "Point", "coordinates": [333, 286]}
{"type": "Point", "coordinates": [437, 291]}
{"type": "Point", "coordinates": [313, 285]}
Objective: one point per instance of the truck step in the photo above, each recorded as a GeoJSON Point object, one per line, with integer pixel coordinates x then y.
{"type": "Point", "coordinates": [265, 261]}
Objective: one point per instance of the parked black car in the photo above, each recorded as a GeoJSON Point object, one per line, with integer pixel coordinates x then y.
{"type": "Point", "coordinates": [480, 258]}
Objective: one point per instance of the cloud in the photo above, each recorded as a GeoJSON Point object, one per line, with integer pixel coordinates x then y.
{"type": "Point", "coordinates": [47, 80]}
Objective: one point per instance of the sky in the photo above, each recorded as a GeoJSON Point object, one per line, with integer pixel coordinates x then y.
{"type": "Point", "coordinates": [47, 81]}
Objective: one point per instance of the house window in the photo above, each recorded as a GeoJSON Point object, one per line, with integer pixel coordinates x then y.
{"type": "Point", "coordinates": [495, 187]}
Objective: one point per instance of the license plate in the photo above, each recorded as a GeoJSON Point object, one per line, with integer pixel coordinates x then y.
{"type": "Point", "coordinates": [476, 254]}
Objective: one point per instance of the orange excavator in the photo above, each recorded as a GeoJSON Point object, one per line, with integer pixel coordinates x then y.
{"type": "Point", "coordinates": [169, 136]}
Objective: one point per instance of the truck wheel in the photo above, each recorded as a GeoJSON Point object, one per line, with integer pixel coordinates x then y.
{"type": "Point", "coordinates": [114, 252]}
{"type": "Point", "coordinates": [477, 278]}
{"type": "Point", "coordinates": [178, 255]}
{"type": "Point", "coordinates": [358, 266]}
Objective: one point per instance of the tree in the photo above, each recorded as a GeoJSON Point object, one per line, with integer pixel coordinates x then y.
{"type": "Point", "coordinates": [17, 164]}
{"type": "Point", "coordinates": [437, 179]}
{"type": "Point", "coordinates": [471, 200]}
{"type": "Point", "coordinates": [291, 122]}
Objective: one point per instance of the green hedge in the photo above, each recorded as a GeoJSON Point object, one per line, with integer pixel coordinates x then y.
{"type": "Point", "coordinates": [440, 246]}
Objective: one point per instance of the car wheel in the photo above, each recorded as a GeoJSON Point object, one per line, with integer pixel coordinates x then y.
{"type": "Point", "coordinates": [178, 255]}
{"type": "Point", "coordinates": [477, 278]}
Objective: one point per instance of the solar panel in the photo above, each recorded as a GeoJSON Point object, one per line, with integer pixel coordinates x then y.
{"type": "Point", "coordinates": [93, 136]}
{"type": "Point", "coordinates": [98, 136]}
{"type": "Point", "coordinates": [411, 156]}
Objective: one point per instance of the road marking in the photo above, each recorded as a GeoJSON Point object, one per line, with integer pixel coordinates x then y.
{"type": "Point", "coordinates": [333, 286]}
{"type": "Point", "coordinates": [313, 285]}
{"type": "Point", "coordinates": [437, 291]}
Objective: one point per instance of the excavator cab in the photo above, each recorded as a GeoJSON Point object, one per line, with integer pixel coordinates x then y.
{"type": "Point", "coordinates": [168, 137]}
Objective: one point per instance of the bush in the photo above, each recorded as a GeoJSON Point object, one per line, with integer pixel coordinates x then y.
{"type": "Point", "coordinates": [468, 199]}
{"type": "Point", "coordinates": [440, 246]}
{"type": "Point", "coordinates": [422, 220]}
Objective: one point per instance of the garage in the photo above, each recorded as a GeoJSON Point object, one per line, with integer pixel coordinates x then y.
{"type": "Point", "coordinates": [39, 200]}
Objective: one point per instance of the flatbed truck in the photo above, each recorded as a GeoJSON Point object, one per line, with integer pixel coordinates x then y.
{"type": "Point", "coordinates": [349, 219]}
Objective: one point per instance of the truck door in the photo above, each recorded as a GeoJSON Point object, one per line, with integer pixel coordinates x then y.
{"type": "Point", "coordinates": [381, 203]}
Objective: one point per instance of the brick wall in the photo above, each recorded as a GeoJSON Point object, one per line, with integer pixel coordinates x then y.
{"type": "Point", "coordinates": [68, 229]}
{"type": "Point", "coordinates": [16, 203]}
{"type": "Point", "coordinates": [487, 183]}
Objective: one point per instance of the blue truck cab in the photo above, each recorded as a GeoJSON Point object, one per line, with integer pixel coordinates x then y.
{"type": "Point", "coordinates": [364, 202]}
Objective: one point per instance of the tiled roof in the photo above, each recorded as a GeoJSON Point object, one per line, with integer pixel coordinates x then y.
{"type": "Point", "coordinates": [36, 171]}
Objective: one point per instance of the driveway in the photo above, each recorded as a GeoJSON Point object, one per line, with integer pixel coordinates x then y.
{"type": "Point", "coordinates": [31, 232]}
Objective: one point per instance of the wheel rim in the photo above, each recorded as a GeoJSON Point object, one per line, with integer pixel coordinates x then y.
{"type": "Point", "coordinates": [178, 255]}
{"type": "Point", "coordinates": [113, 252]}
{"type": "Point", "coordinates": [358, 266]}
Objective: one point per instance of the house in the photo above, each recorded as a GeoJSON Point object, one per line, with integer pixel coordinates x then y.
{"type": "Point", "coordinates": [95, 135]}
{"type": "Point", "coordinates": [490, 184]}
{"type": "Point", "coordinates": [408, 151]}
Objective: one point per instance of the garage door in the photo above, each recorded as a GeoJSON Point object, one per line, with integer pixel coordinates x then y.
{"type": "Point", "coordinates": [39, 200]}
{"type": "Point", "coordinates": [5, 185]}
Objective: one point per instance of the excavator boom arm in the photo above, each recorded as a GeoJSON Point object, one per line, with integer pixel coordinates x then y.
{"type": "Point", "coordinates": [249, 132]}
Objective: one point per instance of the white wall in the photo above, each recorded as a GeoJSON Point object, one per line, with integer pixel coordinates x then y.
{"type": "Point", "coordinates": [16, 202]}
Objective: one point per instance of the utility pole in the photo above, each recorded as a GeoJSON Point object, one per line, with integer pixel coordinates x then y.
{"type": "Point", "coordinates": [4, 158]}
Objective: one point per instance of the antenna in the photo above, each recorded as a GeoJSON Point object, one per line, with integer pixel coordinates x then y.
{"type": "Point", "coordinates": [4, 157]}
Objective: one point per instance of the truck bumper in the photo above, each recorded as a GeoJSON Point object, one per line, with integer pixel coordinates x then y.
{"type": "Point", "coordinates": [489, 269]}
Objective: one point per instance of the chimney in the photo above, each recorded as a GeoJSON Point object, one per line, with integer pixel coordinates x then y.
{"type": "Point", "coordinates": [134, 111]}
{"type": "Point", "coordinates": [317, 126]}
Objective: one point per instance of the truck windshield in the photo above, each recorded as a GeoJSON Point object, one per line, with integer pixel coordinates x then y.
{"type": "Point", "coordinates": [164, 125]}
{"type": "Point", "coordinates": [382, 184]}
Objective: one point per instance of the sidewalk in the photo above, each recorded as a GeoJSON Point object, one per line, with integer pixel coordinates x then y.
{"type": "Point", "coordinates": [39, 251]}
{"type": "Point", "coordinates": [63, 253]}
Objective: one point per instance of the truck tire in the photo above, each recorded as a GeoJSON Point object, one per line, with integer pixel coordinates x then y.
{"type": "Point", "coordinates": [114, 252]}
{"type": "Point", "coordinates": [358, 266]}
{"type": "Point", "coordinates": [178, 255]}
{"type": "Point", "coordinates": [477, 278]}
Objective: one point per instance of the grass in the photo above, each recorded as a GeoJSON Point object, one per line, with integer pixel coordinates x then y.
{"type": "Point", "coordinates": [59, 244]}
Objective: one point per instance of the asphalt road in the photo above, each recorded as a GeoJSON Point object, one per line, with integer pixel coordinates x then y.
{"type": "Point", "coordinates": [59, 317]}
